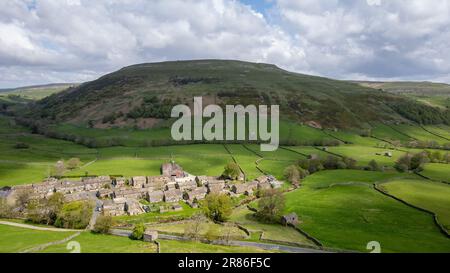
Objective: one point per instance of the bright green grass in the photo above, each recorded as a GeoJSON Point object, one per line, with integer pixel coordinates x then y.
{"type": "Point", "coordinates": [354, 138]}
{"type": "Point", "coordinates": [349, 216]}
{"type": "Point", "coordinates": [364, 154]}
{"type": "Point", "coordinates": [387, 133]}
{"type": "Point", "coordinates": [246, 160]}
{"type": "Point", "coordinates": [216, 229]}
{"type": "Point", "coordinates": [121, 166]}
{"type": "Point", "coordinates": [440, 130]}
{"type": "Point", "coordinates": [308, 150]}
{"type": "Point", "coordinates": [15, 239]}
{"type": "Point", "coordinates": [197, 247]}
{"type": "Point", "coordinates": [434, 197]}
{"type": "Point", "coordinates": [275, 232]}
{"type": "Point", "coordinates": [154, 217]}
{"type": "Point", "coordinates": [419, 133]}
{"type": "Point", "coordinates": [22, 173]}
{"type": "Point", "coordinates": [437, 171]}
{"type": "Point", "coordinates": [279, 154]}
{"type": "Point", "coordinates": [275, 168]}
{"type": "Point", "coordinates": [99, 243]}
{"type": "Point", "coordinates": [129, 137]}
{"type": "Point", "coordinates": [328, 178]}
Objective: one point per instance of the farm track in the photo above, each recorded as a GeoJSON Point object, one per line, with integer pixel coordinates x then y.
{"type": "Point", "coordinates": [265, 246]}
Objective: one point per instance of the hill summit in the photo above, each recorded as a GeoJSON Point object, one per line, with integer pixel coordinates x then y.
{"type": "Point", "coordinates": [142, 95]}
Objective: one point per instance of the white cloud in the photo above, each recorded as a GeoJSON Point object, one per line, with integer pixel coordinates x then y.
{"type": "Point", "coordinates": [73, 40]}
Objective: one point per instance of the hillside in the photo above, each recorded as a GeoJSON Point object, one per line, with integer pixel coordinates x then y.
{"type": "Point", "coordinates": [35, 92]}
{"type": "Point", "coordinates": [433, 94]}
{"type": "Point", "coordinates": [142, 96]}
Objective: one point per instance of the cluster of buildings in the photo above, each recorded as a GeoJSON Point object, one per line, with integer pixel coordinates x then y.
{"type": "Point", "coordinates": [121, 196]}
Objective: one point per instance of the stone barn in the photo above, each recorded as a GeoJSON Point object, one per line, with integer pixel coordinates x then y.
{"type": "Point", "coordinates": [289, 219]}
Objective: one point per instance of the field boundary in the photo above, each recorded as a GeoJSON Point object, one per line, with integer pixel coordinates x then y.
{"type": "Point", "coordinates": [433, 133]}
{"type": "Point", "coordinates": [435, 217]}
{"type": "Point", "coordinates": [235, 161]}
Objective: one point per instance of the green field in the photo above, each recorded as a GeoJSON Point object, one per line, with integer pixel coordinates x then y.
{"type": "Point", "coordinates": [349, 215]}
{"type": "Point", "coordinates": [427, 195]}
{"type": "Point", "coordinates": [15, 239]}
{"type": "Point", "coordinates": [99, 243]}
{"type": "Point", "coordinates": [274, 232]}
{"type": "Point", "coordinates": [436, 171]}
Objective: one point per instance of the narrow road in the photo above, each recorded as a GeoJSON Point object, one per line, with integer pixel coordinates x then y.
{"type": "Point", "coordinates": [265, 246]}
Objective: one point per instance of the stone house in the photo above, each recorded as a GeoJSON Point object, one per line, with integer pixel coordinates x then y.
{"type": "Point", "coordinates": [172, 170]}
{"type": "Point", "coordinates": [114, 208]}
{"type": "Point", "coordinates": [245, 188]}
{"type": "Point", "coordinates": [196, 194]}
{"type": "Point", "coordinates": [155, 196]}
{"type": "Point", "coordinates": [132, 207]}
{"type": "Point", "coordinates": [186, 185]}
{"type": "Point", "coordinates": [139, 181]}
{"type": "Point", "coordinates": [157, 182]}
{"type": "Point", "coordinates": [171, 196]}
{"type": "Point", "coordinates": [215, 188]}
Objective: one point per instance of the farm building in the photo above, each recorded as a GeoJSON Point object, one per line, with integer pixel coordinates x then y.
{"type": "Point", "coordinates": [150, 235]}
{"type": "Point", "coordinates": [173, 195]}
{"type": "Point", "coordinates": [289, 219]}
{"type": "Point", "coordinates": [155, 196]}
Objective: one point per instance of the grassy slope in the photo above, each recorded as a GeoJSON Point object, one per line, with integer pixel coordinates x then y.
{"type": "Point", "coordinates": [350, 216]}
{"type": "Point", "coordinates": [15, 239]}
{"type": "Point", "coordinates": [440, 172]}
{"type": "Point", "coordinates": [427, 195]}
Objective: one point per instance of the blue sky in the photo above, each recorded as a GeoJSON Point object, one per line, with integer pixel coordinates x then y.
{"type": "Point", "coordinates": [44, 41]}
{"type": "Point", "coordinates": [261, 6]}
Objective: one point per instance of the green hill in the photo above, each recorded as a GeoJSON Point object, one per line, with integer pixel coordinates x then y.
{"type": "Point", "coordinates": [141, 96]}
{"type": "Point", "coordinates": [432, 94]}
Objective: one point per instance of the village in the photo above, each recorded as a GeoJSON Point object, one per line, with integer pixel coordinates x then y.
{"type": "Point", "coordinates": [117, 196]}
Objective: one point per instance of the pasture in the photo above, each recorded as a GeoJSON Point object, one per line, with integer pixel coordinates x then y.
{"type": "Point", "coordinates": [428, 195]}
{"type": "Point", "coordinates": [349, 215]}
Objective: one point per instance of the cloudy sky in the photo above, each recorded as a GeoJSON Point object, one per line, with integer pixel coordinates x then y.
{"type": "Point", "coordinates": [44, 41]}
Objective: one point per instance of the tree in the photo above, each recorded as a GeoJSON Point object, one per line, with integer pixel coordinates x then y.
{"type": "Point", "coordinates": [436, 157]}
{"type": "Point", "coordinates": [59, 169]}
{"type": "Point", "coordinates": [6, 210]}
{"type": "Point", "coordinates": [217, 207]}
{"type": "Point", "coordinates": [232, 171]}
{"type": "Point", "coordinates": [373, 165]}
{"type": "Point", "coordinates": [22, 198]}
{"type": "Point", "coordinates": [138, 232]}
{"type": "Point", "coordinates": [292, 174]}
{"type": "Point", "coordinates": [195, 226]}
{"type": "Point", "coordinates": [75, 215]}
{"type": "Point", "coordinates": [270, 205]}
{"type": "Point", "coordinates": [73, 163]}
{"type": "Point", "coordinates": [103, 224]}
